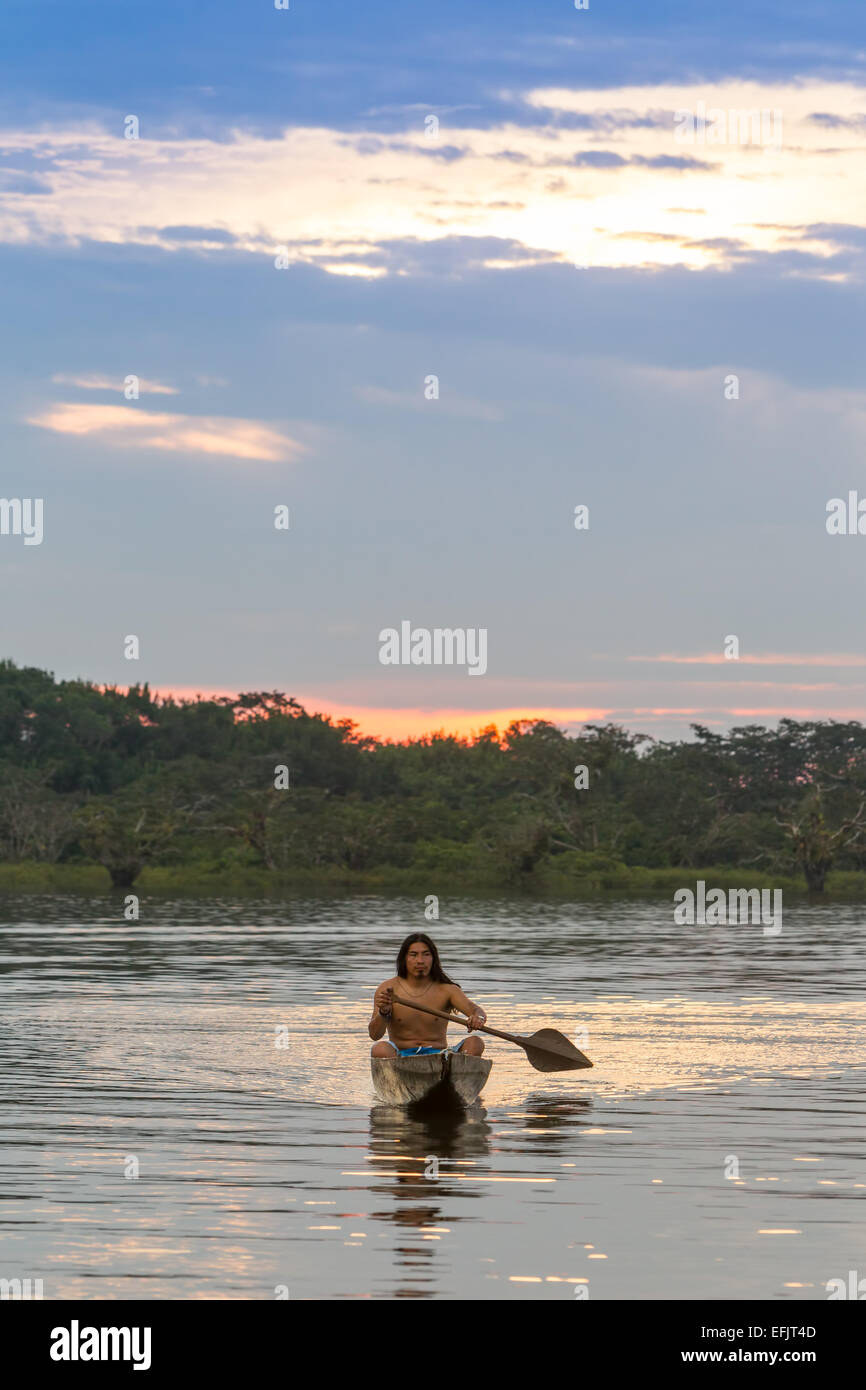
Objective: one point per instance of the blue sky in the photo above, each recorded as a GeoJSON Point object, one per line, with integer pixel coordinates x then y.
{"type": "Point", "coordinates": [581, 282]}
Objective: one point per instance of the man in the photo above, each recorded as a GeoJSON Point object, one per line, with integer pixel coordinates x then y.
{"type": "Point", "coordinates": [420, 977]}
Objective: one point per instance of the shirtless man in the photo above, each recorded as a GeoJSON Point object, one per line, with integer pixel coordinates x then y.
{"type": "Point", "coordinates": [420, 976]}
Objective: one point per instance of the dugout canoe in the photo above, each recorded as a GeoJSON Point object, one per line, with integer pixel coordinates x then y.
{"type": "Point", "coordinates": [441, 1078]}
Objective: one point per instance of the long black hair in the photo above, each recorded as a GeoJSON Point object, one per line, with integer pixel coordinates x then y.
{"type": "Point", "coordinates": [436, 971]}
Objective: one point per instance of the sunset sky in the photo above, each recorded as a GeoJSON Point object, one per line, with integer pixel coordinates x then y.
{"type": "Point", "coordinates": [581, 280]}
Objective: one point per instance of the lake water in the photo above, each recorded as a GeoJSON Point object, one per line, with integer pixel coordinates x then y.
{"type": "Point", "coordinates": [717, 1051]}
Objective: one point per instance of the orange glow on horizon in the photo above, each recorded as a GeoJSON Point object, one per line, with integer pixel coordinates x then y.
{"type": "Point", "coordinates": [781, 659]}
{"type": "Point", "coordinates": [414, 722]}
{"type": "Point", "coordinates": [397, 724]}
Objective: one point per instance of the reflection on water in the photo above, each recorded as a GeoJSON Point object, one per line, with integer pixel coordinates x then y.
{"type": "Point", "coordinates": [419, 1162]}
{"type": "Point", "coordinates": [162, 1141]}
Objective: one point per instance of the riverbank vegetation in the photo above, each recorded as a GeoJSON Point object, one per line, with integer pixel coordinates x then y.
{"type": "Point", "coordinates": [257, 791]}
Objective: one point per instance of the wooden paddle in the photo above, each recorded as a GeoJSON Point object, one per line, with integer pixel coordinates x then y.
{"type": "Point", "coordinates": [547, 1050]}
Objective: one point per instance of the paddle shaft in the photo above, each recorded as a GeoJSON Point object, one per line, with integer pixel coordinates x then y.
{"type": "Point", "coordinates": [453, 1018]}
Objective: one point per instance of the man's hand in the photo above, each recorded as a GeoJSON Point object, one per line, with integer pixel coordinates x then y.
{"type": "Point", "coordinates": [382, 1000]}
{"type": "Point", "coordinates": [478, 1019]}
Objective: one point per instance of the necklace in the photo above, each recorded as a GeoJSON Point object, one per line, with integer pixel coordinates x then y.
{"type": "Point", "coordinates": [419, 993]}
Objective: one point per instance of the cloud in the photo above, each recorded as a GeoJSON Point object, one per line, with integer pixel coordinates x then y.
{"type": "Point", "coordinates": [131, 427]}
{"type": "Point", "coordinates": [448, 403]}
{"type": "Point", "coordinates": [718, 659]}
{"type": "Point", "coordinates": [607, 122]}
{"type": "Point", "coordinates": [734, 246]}
{"type": "Point", "coordinates": [670, 161]}
{"type": "Point", "coordinates": [646, 236]}
{"type": "Point", "coordinates": [204, 380]}
{"type": "Point", "coordinates": [18, 181]}
{"type": "Point", "coordinates": [218, 234]}
{"type": "Point", "coordinates": [609, 159]}
{"type": "Point", "coordinates": [94, 382]}
{"type": "Point", "coordinates": [598, 159]}
{"type": "Point", "coordinates": [188, 238]}
{"type": "Point", "coordinates": [403, 107]}
{"type": "Point", "coordinates": [310, 190]}
{"type": "Point", "coordinates": [829, 121]}
{"type": "Point", "coordinates": [367, 145]}
{"type": "Point", "coordinates": [832, 234]}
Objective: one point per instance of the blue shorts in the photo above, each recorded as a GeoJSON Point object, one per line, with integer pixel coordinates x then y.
{"type": "Point", "coordinates": [423, 1051]}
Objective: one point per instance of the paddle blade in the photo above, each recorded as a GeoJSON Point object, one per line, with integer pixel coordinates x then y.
{"type": "Point", "coordinates": [549, 1050]}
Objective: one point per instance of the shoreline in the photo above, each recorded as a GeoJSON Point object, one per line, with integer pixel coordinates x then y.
{"type": "Point", "coordinates": [622, 881]}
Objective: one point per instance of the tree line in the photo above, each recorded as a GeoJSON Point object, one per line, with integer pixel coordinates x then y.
{"type": "Point", "coordinates": [126, 779]}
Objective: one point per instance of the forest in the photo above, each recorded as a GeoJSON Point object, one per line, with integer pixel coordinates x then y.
{"type": "Point", "coordinates": [132, 782]}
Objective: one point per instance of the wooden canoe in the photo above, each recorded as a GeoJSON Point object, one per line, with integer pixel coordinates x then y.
{"type": "Point", "coordinates": [440, 1078]}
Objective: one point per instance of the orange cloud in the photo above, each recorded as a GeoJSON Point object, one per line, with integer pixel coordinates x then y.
{"type": "Point", "coordinates": [701, 715]}
{"type": "Point", "coordinates": [718, 659]}
{"type": "Point", "coordinates": [131, 427]}
{"type": "Point", "coordinates": [92, 381]}
{"type": "Point", "coordinates": [804, 712]}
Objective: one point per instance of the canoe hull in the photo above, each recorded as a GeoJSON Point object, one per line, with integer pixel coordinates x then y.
{"type": "Point", "coordinates": [441, 1078]}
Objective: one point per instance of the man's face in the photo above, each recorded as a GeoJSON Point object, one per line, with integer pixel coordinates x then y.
{"type": "Point", "coordinates": [419, 960]}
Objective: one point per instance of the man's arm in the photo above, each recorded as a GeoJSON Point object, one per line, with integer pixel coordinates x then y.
{"type": "Point", "coordinates": [378, 1025]}
{"type": "Point", "coordinates": [477, 1016]}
